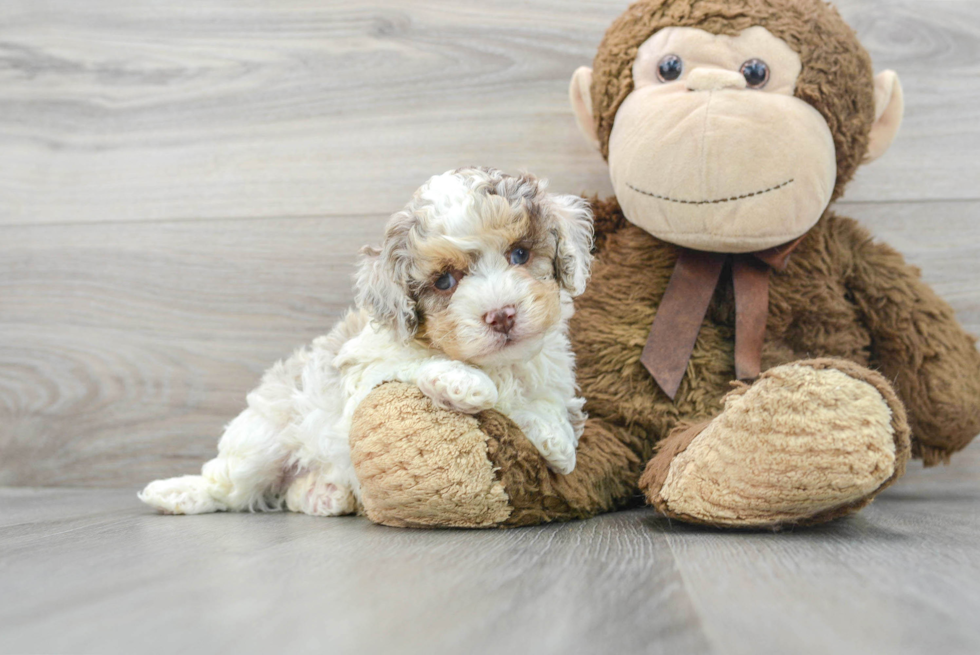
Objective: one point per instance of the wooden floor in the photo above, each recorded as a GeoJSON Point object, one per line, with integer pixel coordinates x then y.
{"type": "Point", "coordinates": [183, 188]}
{"type": "Point", "coordinates": [93, 571]}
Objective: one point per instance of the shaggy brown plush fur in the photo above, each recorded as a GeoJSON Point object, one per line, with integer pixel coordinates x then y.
{"type": "Point", "coordinates": [603, 479]}
{"type": "Point", "coordinates": [837, 77]}
{"type": "Point", "coordinates": [843, 296]}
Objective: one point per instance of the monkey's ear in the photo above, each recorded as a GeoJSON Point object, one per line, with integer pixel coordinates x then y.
{"type": "Point", "coordinates": [889, 107]}
{"type": "Point", "coordinates": [580, 94]}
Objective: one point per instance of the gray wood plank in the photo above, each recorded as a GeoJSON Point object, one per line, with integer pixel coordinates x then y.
{"type": "Point", "coordinates": [124, 348]}
{"type": "Point", "coordinates": [119, 338]}
{"type": "Point", "coordinates": [90, 575]}
{"type": "Point", "coordinates": [932, 158]}
{"type": "Point", "coordinates": [901, 577]}
{"type": "Point", "coordinates": [88, 570]}
{"type": "Point", "coordinates": [120, 111]}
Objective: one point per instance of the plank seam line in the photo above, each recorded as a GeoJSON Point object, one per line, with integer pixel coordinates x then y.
{"type": "Point", "coordinates": [381, 214]}
{"type": "Point", "coordinates": [208, 219]}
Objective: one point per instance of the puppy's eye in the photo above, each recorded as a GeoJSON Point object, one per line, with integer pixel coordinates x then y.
{"type": "Point", "coordinates": [519, 256]}
{"type": "Point", "coordinates": [756, 73]}
{"type": "Point", "coordinates": [670, 68]}
{"type": "Point", "coordinates": [446, 281]}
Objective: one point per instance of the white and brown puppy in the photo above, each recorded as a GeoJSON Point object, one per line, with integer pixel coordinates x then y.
{"type": "Point", "coordinates": [468, 298]}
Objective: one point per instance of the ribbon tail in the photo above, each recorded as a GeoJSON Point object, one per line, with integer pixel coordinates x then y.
{"type": "Point", "coordinates": [680, 314]}
{"type": "Point", "coordinates": [750, 278]}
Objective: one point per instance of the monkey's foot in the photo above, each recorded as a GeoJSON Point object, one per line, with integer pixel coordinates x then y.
{"type": "Point", "coordinates": [806, 443]}
{"type": "Point", "coordinates": [423, 466]}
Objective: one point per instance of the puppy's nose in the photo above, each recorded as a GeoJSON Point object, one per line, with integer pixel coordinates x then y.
{"type": "Point", "coordinates": [501, 320]}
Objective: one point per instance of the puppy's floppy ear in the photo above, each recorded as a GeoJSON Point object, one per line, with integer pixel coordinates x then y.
{"type": "Point", "coordinates": [381, 284]}
{"type": "Point", "coordinates": [572, 225]}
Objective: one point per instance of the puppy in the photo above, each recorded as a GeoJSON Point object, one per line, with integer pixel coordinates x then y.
{"type": "Point", "coordinates": [468, 298]}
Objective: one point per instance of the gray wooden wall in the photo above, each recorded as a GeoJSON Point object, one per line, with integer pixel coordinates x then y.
{"type": "Point", "coordinates": [184, 183]}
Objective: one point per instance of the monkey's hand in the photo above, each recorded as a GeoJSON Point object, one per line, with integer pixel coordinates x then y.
{"type": "Point", "coordinates": [919, 345]}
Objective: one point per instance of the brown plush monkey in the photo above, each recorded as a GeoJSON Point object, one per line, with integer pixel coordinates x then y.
{"type": "Point", "coordinates": [729, 127]}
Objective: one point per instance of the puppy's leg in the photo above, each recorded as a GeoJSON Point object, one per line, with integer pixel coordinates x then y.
{"type": "Point", "coordinates": [456, 386]}
{"type": "Point", "coordinates": [320, 493]}
{"type": "Point", "coordinates": [244, 475]}
{"type": "Point", "coordinates": [252, 453]}
{"type": "Point", "coordinates": [547, 426]}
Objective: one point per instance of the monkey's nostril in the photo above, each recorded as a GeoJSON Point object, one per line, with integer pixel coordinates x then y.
{"type": "Point", "coordinates": [501, 320]}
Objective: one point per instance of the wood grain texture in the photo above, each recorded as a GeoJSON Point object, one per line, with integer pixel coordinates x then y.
{"type": "Point", "coordinates": [94, 571]}
{"type": "Point", "coordinates": [126, 347]}
{"type": "Point", "coordinates": [902, 577]}
{"type": "Point", "coordinates": [184, 186]}
{"type": "Point", "coordinates": [119, 111]}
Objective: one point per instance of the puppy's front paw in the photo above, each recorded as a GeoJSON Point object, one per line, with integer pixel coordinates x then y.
{"type": "Point", "coordinates": [456, 386]}
{"type": "Point", "coordinates": [560, 455]}
{"type": "Point", "coordinates": [555, 442]}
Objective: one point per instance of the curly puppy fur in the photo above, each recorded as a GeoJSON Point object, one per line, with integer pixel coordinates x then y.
{"type": "Point", "coordinates": [468, 299]}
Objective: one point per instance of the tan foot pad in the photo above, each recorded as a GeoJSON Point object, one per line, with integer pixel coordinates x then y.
{"type": "Point", "coordinates": [421, 466]}
{"type": "Point", "coordinates": [806, 443]}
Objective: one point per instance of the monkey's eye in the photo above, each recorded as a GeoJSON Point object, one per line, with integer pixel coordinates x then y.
{"type": "Point", "coordinates": [519, 256]}
{"type": "Point", "coordinates": [446, 281]}
{"type": "Point", "coordinates": [756, 73]}
{"type": "Point", "coordinates": [670, 68]}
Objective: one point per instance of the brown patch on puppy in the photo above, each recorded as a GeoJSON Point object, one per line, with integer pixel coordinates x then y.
{"type": "Point", "coordinates": [436, 256]}
{"type": "Point", "coordinates": [546, 306]}
{"type": "Point", "coordinates": [505, 222]}
{"type": "Point", "coordinates": [441, 331]}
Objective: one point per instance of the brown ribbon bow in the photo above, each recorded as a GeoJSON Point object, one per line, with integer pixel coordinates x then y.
{"type": "Point", "coordinates": [685, 303]}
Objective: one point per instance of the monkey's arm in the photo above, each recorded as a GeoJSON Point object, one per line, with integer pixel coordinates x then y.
{"type": "Point", "coordinates": [422, 466]}
{"type": "Point", "coordinates": [918, 345]}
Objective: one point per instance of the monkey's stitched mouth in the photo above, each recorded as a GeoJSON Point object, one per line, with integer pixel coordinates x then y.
{"type": "Point", "coordinates": [711, 202]}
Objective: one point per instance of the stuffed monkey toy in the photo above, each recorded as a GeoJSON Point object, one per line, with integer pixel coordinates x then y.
{"type": "Point", "coordinates": [748, 357]}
